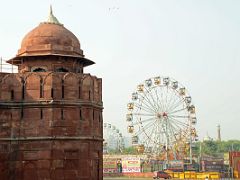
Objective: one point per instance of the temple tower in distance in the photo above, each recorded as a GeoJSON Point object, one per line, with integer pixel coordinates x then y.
{"type": "Point", "coordinates": [218, 133]}
{"type": "Point", "coordinates": [50, 111]}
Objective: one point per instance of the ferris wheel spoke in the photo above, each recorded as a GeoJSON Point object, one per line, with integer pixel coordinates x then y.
{"type": "Point", "coordinates": [144, 100]}
{"type": "Point", "coordinates": [146, 126]}
{"type": "Point", "coordinates": [170, 97]}
{"type": "Point", "coordinates": [147, 103]}
{"type": "Point", "coordinates": [159, 102]}
{"type": "Point", "coordinates": [150, 132]}
{"type": "Point", "coordinates": [156, 133]}
{"type": "Point", "coordinates": [146, 109]}
{"type": "Point", "coordinates": [173, 100]}
{"type": "Point", "coordinates": [167, 95]}
{"type": "Point", "coordinates": [173, 131]}
{"type": "Point", "coordinates": [151, 103]}
{"type": "Point", "coordinates": [142, 114]}
{"type": "Point", "coordinates": [155, 103]}
{"type": "Point", "coordinates": [143, 121]}
{"type": "Point", "coordinates": [179, 110]}
{"type": "Point", "coordinates": [166, 98]}
{"type": "Point", "coordinates": [177, 129]}
{"type": "Point", "coordinates": [178, 123]}
{"type": "Point", "coordinates": [161, 95]}
{"type": "Point", "coordinates": [180, 102]}
{"type": "Point", "coordinates": [176, 116]}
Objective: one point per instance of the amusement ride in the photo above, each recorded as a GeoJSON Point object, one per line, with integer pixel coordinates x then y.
{"type": "Point", "coordinates": [113, 138]}
{"type": "Point", "coordinates": [161, 118]}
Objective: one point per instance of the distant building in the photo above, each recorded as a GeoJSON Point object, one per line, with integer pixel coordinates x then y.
{"type": "Point", "coordinates": [207, 138]}
{"type": "Point", "coordinates": [50, 111]}
{"type": "Point", "coordinates": [218, 133]}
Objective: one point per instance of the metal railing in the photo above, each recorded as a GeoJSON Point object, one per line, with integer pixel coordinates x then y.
{"type": "Point", "coordinates": [6, 67]}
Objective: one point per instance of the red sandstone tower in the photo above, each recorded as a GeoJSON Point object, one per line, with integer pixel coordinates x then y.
{"type": "Point", "coordinates": [50, 111]}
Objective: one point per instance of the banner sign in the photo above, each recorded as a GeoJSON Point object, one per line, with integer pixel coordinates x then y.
{"type": "Point", "coordinates": [131, 164]}
{"type": "Point", "coordinates": [110, 166]}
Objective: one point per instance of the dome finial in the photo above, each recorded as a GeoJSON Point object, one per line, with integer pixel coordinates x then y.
{"type": "Point", "coordinates": [51, 18]}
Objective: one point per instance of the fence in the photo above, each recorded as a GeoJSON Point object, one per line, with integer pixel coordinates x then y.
{"type": "Point", "coordinates": [6, 67]}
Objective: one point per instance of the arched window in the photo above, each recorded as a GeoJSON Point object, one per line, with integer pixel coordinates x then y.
{"type": "Point", "coordinates": [61, 70]}
{"type": "Point", "coordinates": [38, 69]}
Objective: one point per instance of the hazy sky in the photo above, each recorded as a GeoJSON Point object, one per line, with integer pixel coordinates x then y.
{"type": "Point", "coordinates": [196, 42]}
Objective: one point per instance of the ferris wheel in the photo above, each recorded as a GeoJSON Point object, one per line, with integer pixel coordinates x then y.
{"type": "Point", "coordinates": [161, 117]}
{"type": "Point", "coordinates": [113, 139]}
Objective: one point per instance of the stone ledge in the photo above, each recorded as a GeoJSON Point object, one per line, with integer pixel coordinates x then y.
{"type": "Point", "coordinates": [52, 138]}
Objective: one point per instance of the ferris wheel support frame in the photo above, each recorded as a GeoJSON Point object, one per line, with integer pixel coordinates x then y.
{"type": "Point", "coordinates": [170, 114]}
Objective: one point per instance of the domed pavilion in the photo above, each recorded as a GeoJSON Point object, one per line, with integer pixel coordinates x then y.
{"type": "Point", "coordinates": [50, 111]}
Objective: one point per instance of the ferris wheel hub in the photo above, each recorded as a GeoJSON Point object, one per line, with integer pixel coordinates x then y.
{"type": "Point", "coordinates": [161, 115]}
{"type": "Point", "coordinates": [165, 114]}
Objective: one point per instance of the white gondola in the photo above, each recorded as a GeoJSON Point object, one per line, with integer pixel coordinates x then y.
{"type": "Point", "coordinates": [148, 82]}
{"type": "Point", "coordinates": [114, 127]}
{"type": "Point", "coordinates": [157, 80]}
{"type": "Point", "coordinates": [117, 130]}
{"type": "Point", "coordinates": [140, 88]}
{"type": "Point", "coordinates": [191, 109]}
{"type": "Point", "coordinates": [194, 120]}
{"type": "Point", "coordinates": [140, 148]}
{"type": "Point", "coordinates": [135, 140]}
{"type": "Point", "coordinates": [105, 125]}
{"type": "Point", "coordinates": [129, 117]}
{"type": "Point", "coordinates": [130, 106]}
{"type": "Point", "coordinates": [194, 133]}
{"type": "Point", "coordinates": [188, 99]}
{"type": "Point", "coordinates": [182, 91]}
{"type": "Point", "coordinates": [130, 129]}
{"type": "Point", "coordinates": [175, 85]}
{"type": "Point", "coordinates": [166, 81]}
{"type": "Point", "coordinates": [109, 126]}
{"type": "Point", "coordinates": [134, 96]}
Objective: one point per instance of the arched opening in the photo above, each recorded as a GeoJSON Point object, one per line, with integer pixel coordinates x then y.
{"type": "Point", "coordinates": [89, 95]}
{"type": "Point", "coordinates": [22, 113]}
{"type": "Point", "coordinates": [12, 94]}
{"type": "Point", "coordinates": [52, 93]}
{"type": "Point", "coordinates": [62, 115]}
{"type": "Point", "coordinates": [23, 89]}
{"type": "Point", "coordinates": [41, 88]}
{"type": "Point", "coordinates": [61, 70]}
{"type": "Point", "coordinates": [41, 114]}
{"type": "Point", "coordinates": [80, 114]}
{"type": "Point", "coordinates": [39, 69]}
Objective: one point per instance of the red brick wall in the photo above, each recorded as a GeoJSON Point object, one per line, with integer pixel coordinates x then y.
{"type": "Point", "coordinates": [50, 126]}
